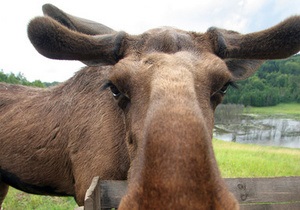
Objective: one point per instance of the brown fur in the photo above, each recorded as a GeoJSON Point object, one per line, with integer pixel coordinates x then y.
{"type": "Point", "coordinates": [56, 137]}
{"type": "Point", "coordinates": [165, 84]}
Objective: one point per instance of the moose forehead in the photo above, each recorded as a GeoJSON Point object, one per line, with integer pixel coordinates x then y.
{"type": "Point", "coordinates": [173, 48]}
{"type": "Point", "coordinates": [168, 40]}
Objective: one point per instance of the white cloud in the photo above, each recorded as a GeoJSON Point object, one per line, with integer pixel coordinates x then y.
{"type": "Point", "coordinates": [132, 16]}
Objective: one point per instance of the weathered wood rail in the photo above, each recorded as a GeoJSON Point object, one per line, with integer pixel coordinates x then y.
{"type": "Point", "coordinates": [280, 193]}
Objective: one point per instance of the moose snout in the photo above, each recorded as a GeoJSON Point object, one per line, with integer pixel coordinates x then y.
{"type": "Point", "coordinates": [175, 164]}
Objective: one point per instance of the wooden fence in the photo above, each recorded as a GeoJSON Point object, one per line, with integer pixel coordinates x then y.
{"type": "Point", "coordinates": [279, 193]}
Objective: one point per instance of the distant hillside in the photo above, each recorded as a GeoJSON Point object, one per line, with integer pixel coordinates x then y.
{"type": "Point", "coordinates": [21, 80]}
{"type": "Point", "coordinates": [277, 81]}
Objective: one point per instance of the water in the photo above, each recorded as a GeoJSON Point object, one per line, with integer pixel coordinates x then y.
{"type": "Point", "coordinates": [262, 130]}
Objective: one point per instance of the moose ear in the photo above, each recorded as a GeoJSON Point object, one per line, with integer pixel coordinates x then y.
{"type": "Point", "coordinates": [75, 23]}
{"type": "Point", "coordinates": [243, 54]}
{"type": "Point", "coordinates": [56, 41]}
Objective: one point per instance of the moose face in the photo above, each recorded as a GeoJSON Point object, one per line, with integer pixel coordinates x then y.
{"type": "Point", "coordinates": [168, 101]}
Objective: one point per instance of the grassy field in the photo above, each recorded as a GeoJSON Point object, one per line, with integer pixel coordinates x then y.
{"type": "Point", "coordinates": [235, 160]}
{"type": "Point", "coordinates": [286, 109]}
{"type": "Point", "coordinates": [17, 200]}
{"type": "Point", "coordinates": [245, 160]}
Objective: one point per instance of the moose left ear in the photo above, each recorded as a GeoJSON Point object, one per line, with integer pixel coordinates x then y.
{"type": "Point", "coordinates": [243, 53]}
{"type": "Point", "coordinates": [56, 41]}
{"type": "Point", "coordinates": [76, 23]}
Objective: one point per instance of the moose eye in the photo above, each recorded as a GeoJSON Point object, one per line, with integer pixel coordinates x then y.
{"type": "Point", "coordinates": [122, 99]}
{"type": "Point", "coordinates": [115, 91]}
{"type": "Point", "coordinates": [224, 89]}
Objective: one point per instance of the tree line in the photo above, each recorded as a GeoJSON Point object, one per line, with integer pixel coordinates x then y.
{"type": "Point", "coordinates": [277, 81]}
{"type": "Point", "coordinates": [20, 79]}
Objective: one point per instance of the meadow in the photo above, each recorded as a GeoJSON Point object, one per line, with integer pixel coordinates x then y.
{"type": "Point", "coordinates": [234, 159]}
{"type": "Point", "coordinates": [289, 109]}
{"type": "Point", "coordinates": [246, 160]}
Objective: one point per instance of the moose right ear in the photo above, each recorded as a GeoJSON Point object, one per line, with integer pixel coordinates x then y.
{"type": "Point", "coordinates": [56, 41]}
{"type": "Point", "coordinates": [244, 53]}
{"type": "Point", "coordinates": [277, 42]}
{"type": "Point", "coordinates": [75, 23]}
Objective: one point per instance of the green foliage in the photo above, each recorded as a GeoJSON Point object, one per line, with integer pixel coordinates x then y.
{"type": "Point", "coordinates": [19, 79]}
{"type": "Point", "coordinates": [277, 81]}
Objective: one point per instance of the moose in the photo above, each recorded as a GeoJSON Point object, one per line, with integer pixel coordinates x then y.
{"type": "Point", "coordinates": [142, 109]}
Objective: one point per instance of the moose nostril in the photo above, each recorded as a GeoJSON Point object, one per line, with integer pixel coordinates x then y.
{"type": "Point", "coordinates": [130, 141]}
{"type": "Point", "coordinates": [129, 137]}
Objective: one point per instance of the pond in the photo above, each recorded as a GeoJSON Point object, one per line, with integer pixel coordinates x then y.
{"type": "Point", "coordinates": [259, 129]}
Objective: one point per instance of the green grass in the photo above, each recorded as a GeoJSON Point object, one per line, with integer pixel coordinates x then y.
{"type": "Point", "coordinates": [245, 160]}
{"type": "Point", "coordinates": [235, 160]}
{"type": "Point", "coordinates": [287, 109]}
{"type": "Point", "coordinates": [17, 200]}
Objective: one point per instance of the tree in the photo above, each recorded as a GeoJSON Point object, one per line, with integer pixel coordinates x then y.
{"type": "Point", "coordinates": [19, 79]}
{"type": "Point", "coordinates": [277, 81]}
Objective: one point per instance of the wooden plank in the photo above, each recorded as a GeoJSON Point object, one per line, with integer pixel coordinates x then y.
{"type": "Point", "coordinates": [112, 193]}
{"type": "Point", "coordinates": [289, 206]}
{"type": "Point", "coordinates": [268, 190]}
{"type": "Point", "coordinates": [92, 195]}
{"type": "Point", "coordinates": [248, 191]}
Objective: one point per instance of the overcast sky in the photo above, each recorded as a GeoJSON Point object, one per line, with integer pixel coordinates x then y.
{"type": "Point", "coordinates": [132, 16]}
